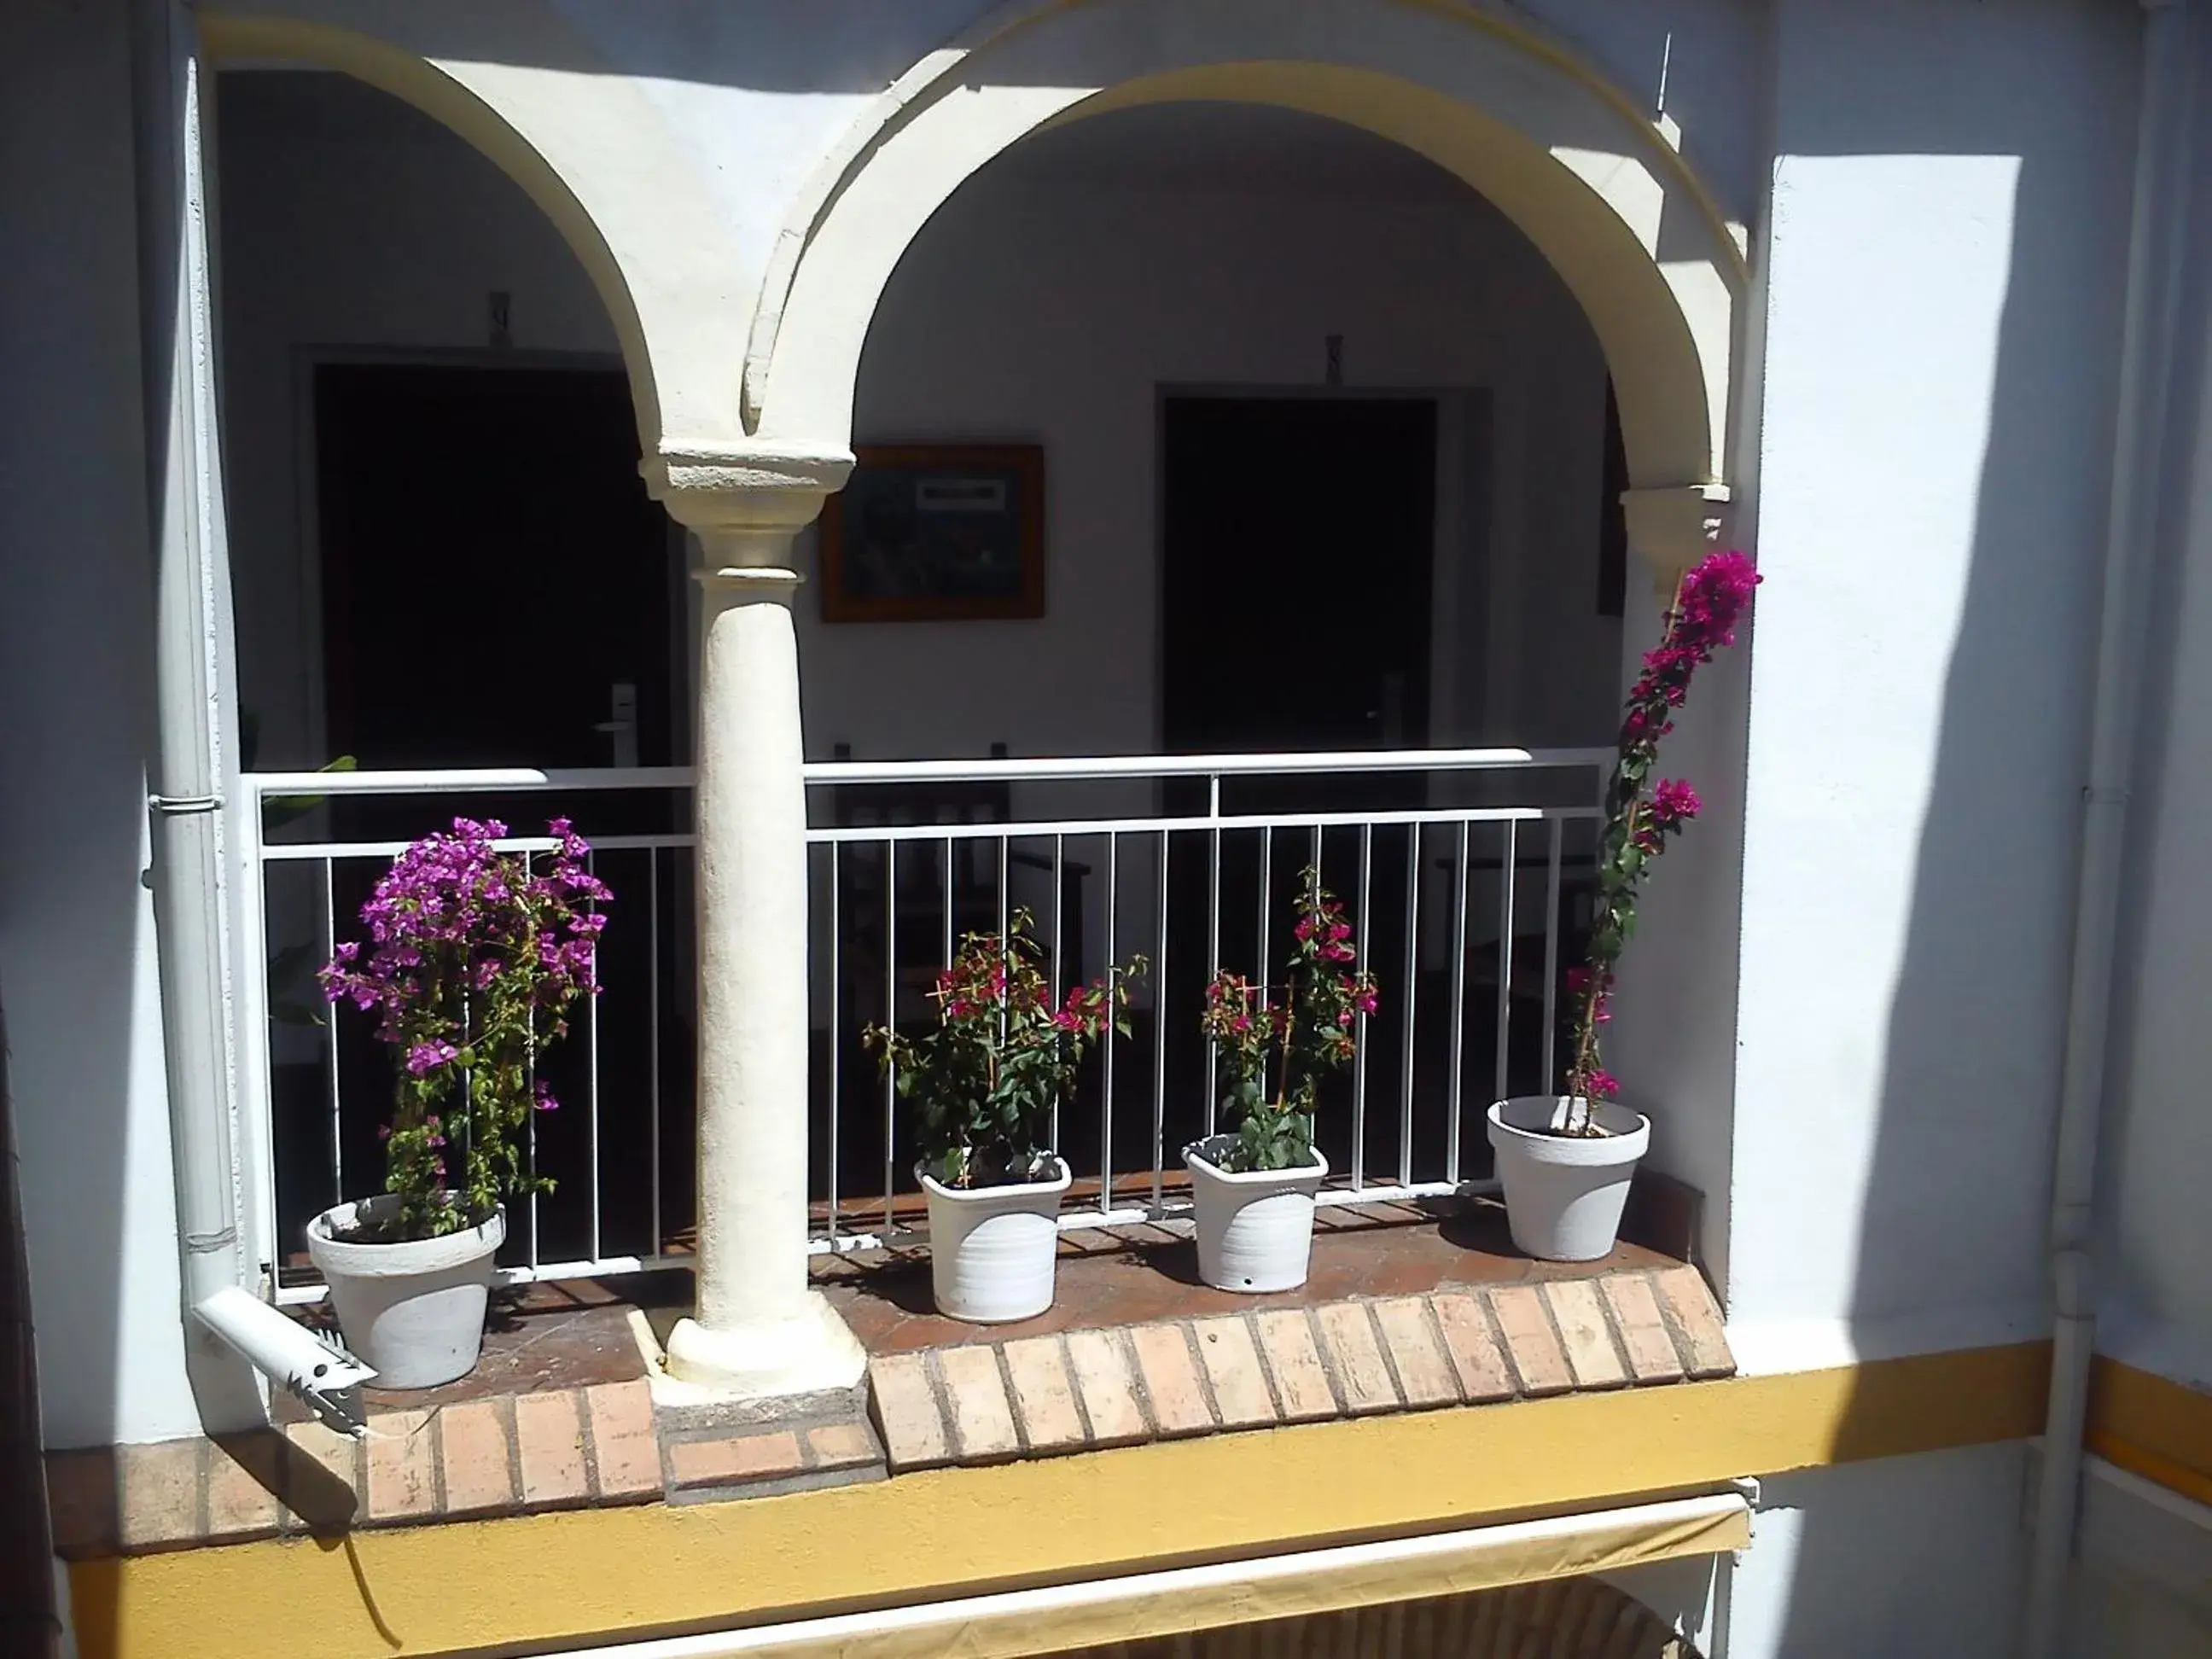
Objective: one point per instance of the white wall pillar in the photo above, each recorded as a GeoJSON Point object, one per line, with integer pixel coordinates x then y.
{"type": "Point", "coordinates": [1672, 528]}
{"type": "Point", "coordinates": [757, 1330]}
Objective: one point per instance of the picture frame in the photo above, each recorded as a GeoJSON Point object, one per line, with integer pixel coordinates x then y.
{"type": "Point", "coordinates": [936, 532]}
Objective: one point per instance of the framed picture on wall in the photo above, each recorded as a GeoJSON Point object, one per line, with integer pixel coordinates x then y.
{"type": "Point", "coordinates": [936, 532]}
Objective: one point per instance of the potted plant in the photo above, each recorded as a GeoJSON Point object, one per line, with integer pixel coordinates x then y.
{"type": "Point", "coordinates": [1565, 1161]}
{"type": "Point", "coordinates": [1253, 1186]}
{"type": "Point", "coordinates": [984, 1083]}
{"type": "Point", "coordinates": [476, 959]}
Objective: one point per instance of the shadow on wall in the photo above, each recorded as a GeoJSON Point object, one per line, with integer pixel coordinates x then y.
{"type": "Point", "coordinates": [1914, 140]}
{"type": "Point", "coordinates": [75, 678]}
{"type": "Point", "coordinates": [29, 1622]}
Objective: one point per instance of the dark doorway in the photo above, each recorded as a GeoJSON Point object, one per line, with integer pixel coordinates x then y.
{"type": "Point", "coordinates": [1288, 522]}
{"type": "Point", "coordinates": [1297, 538]}
{"type": "Point", "coordinates": [499, 590]}
{"type": "Point", "coordinates": [493, 569]}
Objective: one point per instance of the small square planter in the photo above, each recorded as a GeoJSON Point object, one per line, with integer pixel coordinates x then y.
{"type": "Point", "coordinates": [1255, 1231]}
{"type": "Point", "coordinates": [993, 1249]}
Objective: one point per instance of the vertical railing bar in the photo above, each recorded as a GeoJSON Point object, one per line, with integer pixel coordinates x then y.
{"type": "Point", "coordinates": [1412, 995]}
{"type": "Point", "coordinates": [1059, 904]}
{"type": "Point", "coordinates": [1266, 884]}
{"type": "Point", "coordinates": [948, 901]}
{"type": "Point", "coordinates": [1160, 1034]}
{"type": "Point", "coordinates": [652, 1018]}
{"type": "Point", "coordinates": [592, 1081]}
{"type": "Point", "coordinates": [1005, 954]}
{"type": "Point", "coordinates": [1106, 1096]}
{"type": "Point", "coordinates": [836, 1024]}
{"type": "Point", "coordinates": [1360, 1023]}
{"type": "Point", "coordinates": [1507, 873]}
{"type": "Point", "coordinates": [530, 1075]}
{"type": "Point", "coordinates": [1460, 897]}
{"type": "Point", "coordinates": [259, 1111]}
{"type": "Point", "coordinates": [1212, 936]}
{"type": "Point", "coordinates": [331, 1049]}
{"type": "Point", "coordinates": [1551, 952]}
{"type": "Point", "coordinates": [891, 1008]}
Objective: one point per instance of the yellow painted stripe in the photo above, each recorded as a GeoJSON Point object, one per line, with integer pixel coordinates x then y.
{"type": "Point", "coordinates": [2151, 1426]}
{"type": "Point", "coordinates": [924, 1537]}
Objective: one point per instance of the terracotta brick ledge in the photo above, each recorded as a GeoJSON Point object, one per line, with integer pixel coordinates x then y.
{"type": "Point", "coordinates": [563, 1448]}
{"type": "Point", "coordinates": [1041, 1396]}
{"type": "Point", "coordinates": [970, 1402]}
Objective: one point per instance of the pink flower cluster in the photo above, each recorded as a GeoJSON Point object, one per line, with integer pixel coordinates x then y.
{"type": "Point", "coordinates": [1711, 600]}
{"type": "Point", "coordinates": [1325, 928]}
{"type": "Point", "coordinates": [1643, 813]}
{"type": "Point", "coordinates": [474, 956]}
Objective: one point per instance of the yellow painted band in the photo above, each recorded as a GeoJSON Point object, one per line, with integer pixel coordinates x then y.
{"type": "Point", "coordinates": [2151, 1426]}
{"type": "Point", "coordinates": [656, 1568]}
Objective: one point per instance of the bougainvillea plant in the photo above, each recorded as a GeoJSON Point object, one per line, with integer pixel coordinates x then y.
{"type": "Point", "coordinates": [1295, 1039]}
{"type": "Point", "coordinates": [1004, 1052]}
{"type": "Point", "coordinates": [475, 957]}
{"type": "Point", "coordinates": [1644, 813]}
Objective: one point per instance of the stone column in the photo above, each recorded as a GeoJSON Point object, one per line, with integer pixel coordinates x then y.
{"type": "Point", "coordinates": [757, 1331]}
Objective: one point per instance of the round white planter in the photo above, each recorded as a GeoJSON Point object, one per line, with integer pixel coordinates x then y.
{"type": "Point", "coordinates": [1255, 1231]}
{"type": "Point", "coordinates": [1563, 1194]}
{"type": "Point", "coordinates": [414, 1311]}
{"type": "Point", "coordinates": [992, 1249]}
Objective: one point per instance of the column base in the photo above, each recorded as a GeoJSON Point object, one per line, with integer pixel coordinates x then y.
{"type": "Point", "coordinates": [812, 1352]}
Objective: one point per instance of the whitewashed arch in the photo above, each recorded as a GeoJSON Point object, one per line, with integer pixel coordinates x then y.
{"type": "Point", "coordinates": [1573, 162]}
{"type": "Point", "coordinates": [595, 157]}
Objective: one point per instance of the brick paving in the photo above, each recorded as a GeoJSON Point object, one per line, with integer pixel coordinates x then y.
{"type": "Point", "coordinates": [986, 1401]}
{"type": "Point", "coordinates": [1403, 1313]}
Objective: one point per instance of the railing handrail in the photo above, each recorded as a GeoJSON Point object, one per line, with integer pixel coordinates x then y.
{"type": "Point", "coordinates": [1047, 768]}
{"type": "Point", "coordinates": [521, 779]}
{"type": "Point", "coordinates": [464, 780]}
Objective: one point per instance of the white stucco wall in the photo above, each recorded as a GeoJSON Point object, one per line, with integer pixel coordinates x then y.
{"type": "Point", "coordinates": [76, 930]}
{"type": "Point", "coordinates": [1940, 332]}
{"type": "Point", "coordinates": [1047, 303]}
{"type": "Point", "coordinates": [1902, 1555]}
{"type": "Point", "coordinates": [2157, 1230]}
{"type": "Point", "coordinates": [1054, 297]}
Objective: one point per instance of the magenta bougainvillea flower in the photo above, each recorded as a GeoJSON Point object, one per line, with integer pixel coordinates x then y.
{"type": "Point", "coordinates": [1274, 1053]}
{"type": "Point", "coordinates": [1641, 815]}
{"type": "Point", "coordinates": [1004, 1052]}
{"type": "Point", "coordinates": [474, 957]}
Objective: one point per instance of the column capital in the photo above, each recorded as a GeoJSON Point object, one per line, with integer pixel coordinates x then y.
{"type": "Point", "coordinates": [1672, 527]}
{"type": "Point", "coordinates": [745, 502]}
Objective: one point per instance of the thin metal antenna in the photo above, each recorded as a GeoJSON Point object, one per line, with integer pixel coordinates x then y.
{"type": "Point", "coordinates": [1666, 62]}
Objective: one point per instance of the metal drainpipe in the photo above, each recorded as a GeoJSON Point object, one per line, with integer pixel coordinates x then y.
{"type": "Point", "coordinates": [190, 645]}
{"type": "Point", "coordinates": [2154, 251]}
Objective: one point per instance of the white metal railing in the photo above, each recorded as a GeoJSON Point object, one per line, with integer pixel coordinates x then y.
{"type": "Point", "coordinates": [1188, 859]}
{"type": "Point", "coordinates": [305, 931]}
{"type": "Point", "coordinates": [1133, 844]}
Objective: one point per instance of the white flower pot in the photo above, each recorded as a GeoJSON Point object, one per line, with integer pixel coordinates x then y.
{"type": "Point", "coordinates": [1563, 1194]}
{"type": "Point", "coordinates": [414, 1311]}
{"type": "Point", "coordinates": [1255, 1231]}
{"type": "Point", "coordinates": [992, 1249]}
